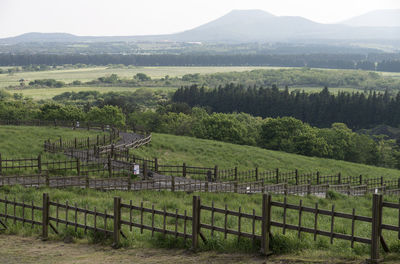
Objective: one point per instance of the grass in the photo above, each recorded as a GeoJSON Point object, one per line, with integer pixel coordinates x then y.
{"type": "Point", "coordinates": [88, 74]}
{"type": "Point", "coordinates": [27, 141]}
{"type": "Point", "coordinates": [49, 93]}
{"type": "Point", "coordinates": [281, 244]}
{"type": "Point", "coordinates": [170, 149]}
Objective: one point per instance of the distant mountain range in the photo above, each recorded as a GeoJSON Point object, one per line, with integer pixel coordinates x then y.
{"type": "Point", "coordinates": [377, 18]}
{"type": "Point", "coordinates": [240, 26]}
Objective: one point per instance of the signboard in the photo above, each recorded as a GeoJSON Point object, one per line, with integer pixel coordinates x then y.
{"type": "Point", "coordinates": [136, 169]}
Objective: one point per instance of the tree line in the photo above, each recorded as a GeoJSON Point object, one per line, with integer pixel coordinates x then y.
{"type": "Point", "coordinates": [357, 110]}
{"type": "Point", "coordinates": [334, 61]}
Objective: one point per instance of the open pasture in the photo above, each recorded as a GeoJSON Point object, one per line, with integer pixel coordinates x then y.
{"type": "Point", "coordinates": [88, 74]}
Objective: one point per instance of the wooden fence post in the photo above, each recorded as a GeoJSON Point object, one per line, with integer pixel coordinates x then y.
{"type": "Point", "coordinates": [109, 165]}
{"type": "Point", "coordinates": [45, 217]}
{"type": "Point", "coordinates": [376, 227]}
{"type": "Point", "coordinates": [296, 176]}
{"type": "Point", "coordinates": [209, 176]}
{"type": "Point", "coordinates": [360, 179]}
{"type": "Point", "coordinates": [156, 165]}
{"type": "Point", "coordinates": [318, 180]}
{"type": "Point", "coordinates": [2, 166]}
{"type": "Point", "coordinates": [97, 140]}
{"type": "Point", "coordinates": [117, 222]}
{"type": "Point", "coordinates": [236, 174]}
{"type": "Point", "coordinates": [75, 143]}
{"type": "Point", "coordinates": [235, 187]}
{"type": "Point", "coordinates": [47, 179]}
{"type": "Point", "coordinates": [398, 180]}
{"type": "Point", "coordinates": [309, 187]}
{"type": "Point", "coordinates": [339, 178]}
{"type": "Point", "coordinates": [61, 142]}
{"type": "Point", "coordinates": [39, 161]}
{"type": "Point", "coordinates": [145, 170]}
{"type": "Point", "coordinates": [87, 180]}
{"type": "Point", "coordinates": [195, 222]}
{"type": "Point", "coordinates": [129, 182]}
{"type": "Point", "coordinates": [256, 173]}
{"type": "Point", "coordinates": [277, 175]}
{"type": "Point", "coordinates": [216, 173]}
{"type": "Point", "coordinates": [173, 183]}
{"type": "Point", "coordinates": [184, 170]}
{"type": "Point", "coordinates": [78, 166]}
{"type": "Point", "coordinates": [381, 181]}
{"type": "Point", "coordinates": [265, 224]}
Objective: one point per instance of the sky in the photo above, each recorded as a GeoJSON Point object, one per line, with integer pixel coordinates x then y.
{"type": "Point", "coordinates": [148, 17]}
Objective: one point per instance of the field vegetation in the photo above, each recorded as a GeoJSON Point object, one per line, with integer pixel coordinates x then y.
{"type": "Point", "coordinates": [281, 244]}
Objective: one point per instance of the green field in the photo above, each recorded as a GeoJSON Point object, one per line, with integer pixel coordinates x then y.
{"type": "Point", "coordinates": [172, 150]}
{"type": "Point", "coordinates": [20, 141]}
{"type": "Point", "coordinates": [27, 141]}
{"type": "Point", "coordinates": [49, 93]}
{"type": "Point", "coordinates": [88, 74]}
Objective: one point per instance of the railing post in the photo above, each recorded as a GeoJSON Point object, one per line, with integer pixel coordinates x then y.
{"type": "Point", "coordinates": [318, 181]}
{"type": "Point", "coordinates": [129, 182]}
{"type": "Point", "coordinates": [47, 179]}
{"type": "Point", "coordinates": [236, 174]}
{"type": "Point", "coordinates": [235, 187]}
{"type": "Point", "coordinates": [87, 180]}
{"type": "Point", "coordinates": [376, 227]}
{"type": "Point", "coordinates": [339, 178]}
{"type": "Point", "coordinates": [173, 183]}
{"type": "Point", "coordinates": [75, 143]}
{"type": "Point", "coordinates": [39, 161]}
{"type": "Point", "coordinates": [266, 224]}
{"type": "Point", "coordinates": [156, 165]}
{"type": "Point", "coordinates": [296, 177]}
{"type": "Point", "coordinates": [78, 166]}
{"type": "Point", "coordinates": [256, 173]}
{"type": "Point", "coordinates": [1, 167]}
{"type": "Point", "coordinates": [117, 222]}
{"type": "Point", "coordinates": [184, 170]}
{"type": "Point", "coordinates": [398, 180]}
{"type": "Point", "coordinates": [209, 176]}
{"type": "Point", "coordinates": [216, 173]}
{"type": "Point", "coordinates": [45, 217]}
{"type": "Point", "coordinates": [109, 165]}
{"type": "Point", "coordinates": [361, 180]}
{"type": "Point", "coordinates": [277, 175]}
{"type": "Point", "coordinates": [145, 170]}
{"type": "Point", "coordinates": [309, 187]}
{"type": "Point", "coordinates": [195, 222]}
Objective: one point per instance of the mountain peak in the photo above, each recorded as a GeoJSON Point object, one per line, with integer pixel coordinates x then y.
{"type": "Point", "coordinates": [376, 18]}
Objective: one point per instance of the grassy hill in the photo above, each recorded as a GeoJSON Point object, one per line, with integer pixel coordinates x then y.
{"type": "Point", "coordinates": [172, 149]}
{"type": "Point", "coordinates": [27, 141]}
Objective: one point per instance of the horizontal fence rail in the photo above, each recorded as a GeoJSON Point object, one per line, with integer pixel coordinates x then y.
{"type": "Point", "coordinates": [272, 216]}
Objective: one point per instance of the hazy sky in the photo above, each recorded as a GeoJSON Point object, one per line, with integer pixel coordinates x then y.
{"type": "Point", "coordinates": [124, 17]}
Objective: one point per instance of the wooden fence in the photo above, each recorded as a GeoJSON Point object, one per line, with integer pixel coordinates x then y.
{"type": "Point", "coordinates": [256, 227]}
{"type": "Point", "coordinates": [79, 143]}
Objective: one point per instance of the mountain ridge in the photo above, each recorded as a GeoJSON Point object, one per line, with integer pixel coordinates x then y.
{"type": "Point", "coordinates": [237, 26]}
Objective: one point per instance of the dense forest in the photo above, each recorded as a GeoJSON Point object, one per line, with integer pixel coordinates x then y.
{"type": "Point", "coordinates": [334, 61]}
{"type": "Point", "coordinates": [357, 110]}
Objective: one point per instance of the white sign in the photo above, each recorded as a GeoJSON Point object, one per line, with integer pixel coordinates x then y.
{"type": "Point", "coordinates": [136, 169]}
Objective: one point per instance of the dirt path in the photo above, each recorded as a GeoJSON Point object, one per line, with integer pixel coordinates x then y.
{"type": "Point", "coordinates": [17, 249]}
